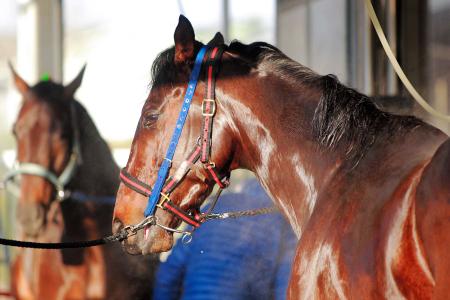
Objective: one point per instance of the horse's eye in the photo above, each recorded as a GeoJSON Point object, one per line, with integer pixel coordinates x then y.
{"type": "Point", "coordinates": [149, 120]}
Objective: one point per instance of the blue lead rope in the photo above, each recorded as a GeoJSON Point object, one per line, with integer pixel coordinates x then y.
{"type": "Point", "coordinates": [165, 166]}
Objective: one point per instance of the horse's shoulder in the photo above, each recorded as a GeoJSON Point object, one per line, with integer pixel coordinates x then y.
{"type": "Point", "coordinates": [433, 216]}
{"type": "Point", "coordinates": [436, 176]}
{"type": "Point", "coordinates": [433, 191]}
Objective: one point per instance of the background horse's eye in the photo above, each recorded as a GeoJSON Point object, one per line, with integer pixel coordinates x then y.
{"type": "Point", "coordinates": [150, 120]}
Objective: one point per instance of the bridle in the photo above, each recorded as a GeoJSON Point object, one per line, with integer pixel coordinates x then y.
{"type": "Point", "coordinates": [59, 182]}
{"type": "Point", "coordinates": [159, 196]}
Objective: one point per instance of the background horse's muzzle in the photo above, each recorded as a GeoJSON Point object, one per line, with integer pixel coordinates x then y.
{"type": "Point", "coordinates": [31, 217]}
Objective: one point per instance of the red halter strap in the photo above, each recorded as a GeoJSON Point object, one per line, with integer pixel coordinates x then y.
{"type": "Point", "coordinates": [165, 203]}
{"type": "Point", "coordinates": [202, 151]}
{"type": "Point", "coordinates": [209, 104]}
{"type": "Point", "coordinates": [208, 112]}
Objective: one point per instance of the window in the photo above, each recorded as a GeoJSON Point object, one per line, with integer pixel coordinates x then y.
{"type": "Point", "coordinates": [119, 40]}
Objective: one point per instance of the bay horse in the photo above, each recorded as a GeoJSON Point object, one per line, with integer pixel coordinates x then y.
{"type": "Point", "coordinates": [68, 181]}
{"type": "Point", "coordinates": [367, 192]}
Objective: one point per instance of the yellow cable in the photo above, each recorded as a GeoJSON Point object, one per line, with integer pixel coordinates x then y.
{"type": "Point", "coordinates": [397, 68]}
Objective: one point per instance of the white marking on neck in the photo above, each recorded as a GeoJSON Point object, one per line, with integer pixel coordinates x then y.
{"type": "Point", "coordinates": [317, 263]}
{"type": "Point", "coordinates": [394, 242]}
{"type": "Point", "coordinates": [257, 131]}
{"type": "Point", "coordinates": [308, 181]}
{"type": "Point", "coordinates": [392, 291]}
{"type": "Point", "coordinates": [420, 255]}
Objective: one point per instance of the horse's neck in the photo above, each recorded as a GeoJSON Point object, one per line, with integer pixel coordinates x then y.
{"type": "Point", "coordinates": [277, 143]}
{"type": "Point", "coordinates": [279, 149]}
{"type": "Point", "coordinates": [97, 174]}
{"type": "Point", "coordinates": [293, 185]}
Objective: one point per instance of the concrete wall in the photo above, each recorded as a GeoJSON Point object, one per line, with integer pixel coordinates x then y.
{"type": "Point", "coordinates": [314, 33]}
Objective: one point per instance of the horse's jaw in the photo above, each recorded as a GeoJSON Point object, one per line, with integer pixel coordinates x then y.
{"type": "Point", "coordinates": [148, 241]}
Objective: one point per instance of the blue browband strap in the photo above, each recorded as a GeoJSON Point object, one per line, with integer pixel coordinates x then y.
{"type": "Point", "coordinates": [167, 162]}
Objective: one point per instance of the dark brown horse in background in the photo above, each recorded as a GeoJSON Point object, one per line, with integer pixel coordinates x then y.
{"type": "Point", "coordinates": [46, 137]}
{"type": "Point", "coordinates": [367, 192]}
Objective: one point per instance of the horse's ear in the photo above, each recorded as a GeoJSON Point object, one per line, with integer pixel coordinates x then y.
{"type": "Point", "coordinates": [72, 87]}
{"type": "Point", "coordinates": [20, 84]}
{"type": "Point", "coordinates": [217, 40]}
{"type": "Point", "coordinates": [184, 41]}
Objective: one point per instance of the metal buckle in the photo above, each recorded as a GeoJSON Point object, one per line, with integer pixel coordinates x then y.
{"type": "Point", "coordinates": [61, 194]}
{"type": "Point", "coordinates": [169, 160]}
{"type": "Point", "coordinates": [212, 107]}
{"type": "Point", "coordinates": [164, 198]}
{"type": "Point", "coordinates": [187, 238]}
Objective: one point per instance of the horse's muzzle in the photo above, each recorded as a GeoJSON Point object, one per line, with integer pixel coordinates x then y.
{"type": "Point", "coordinates": [154, 241]}
{"type": "Point", "coordinates": [129, 245]}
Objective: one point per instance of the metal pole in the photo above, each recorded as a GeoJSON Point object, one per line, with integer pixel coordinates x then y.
{"type": "Point", "coordinates": [225, 20]}
{"type": "Point", "coordinates": [359, 47]}
{"type": "Point", "coordinates": [39, 39]}
{"type": "Point", "coordinates": [391, 30]}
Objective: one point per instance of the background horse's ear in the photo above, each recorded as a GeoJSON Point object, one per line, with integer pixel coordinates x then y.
{"type": "Point", "coordinates": [217, 40]}
{"type": "Point", "coordinates": [184, 40]}
{"type": "Point", "coordinates": [72, 87]}
{"type": "Point", "coordinates": [20, 84]}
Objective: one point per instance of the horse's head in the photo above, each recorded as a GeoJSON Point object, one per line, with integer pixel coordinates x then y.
{"type": "Point", "coordinates": [44, 136]}
{"type": "Point", "coordinates": [171, 72]}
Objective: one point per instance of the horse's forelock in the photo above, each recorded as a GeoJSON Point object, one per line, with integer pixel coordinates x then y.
{"type": "Point", "coordinates": [164, 70]}
{"type": "Point", "coordinates": [48, 91]}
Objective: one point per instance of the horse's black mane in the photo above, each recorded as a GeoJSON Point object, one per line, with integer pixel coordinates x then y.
{"type": "Point", "coordinates": [343, 118]}
{"type": "Point", "coordinates": [349, 119]}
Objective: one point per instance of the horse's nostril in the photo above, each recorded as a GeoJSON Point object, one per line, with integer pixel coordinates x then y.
{"type": "Point", "coordinates": [117, 226]}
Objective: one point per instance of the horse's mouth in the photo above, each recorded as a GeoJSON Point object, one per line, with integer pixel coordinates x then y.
{"type": "Point", "coordinates": [131, 248]}
{"type": "Point", "coordinates": [150, 240]}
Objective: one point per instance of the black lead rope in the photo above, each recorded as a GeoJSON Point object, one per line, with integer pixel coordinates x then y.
{"type": "Point", "coordinates": [131, 230]}
{"type": "Point", "coordinates": [118, 237]}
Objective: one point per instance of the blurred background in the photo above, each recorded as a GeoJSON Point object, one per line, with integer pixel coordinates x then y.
{"type": "Point", "coordinates": [119, 39]}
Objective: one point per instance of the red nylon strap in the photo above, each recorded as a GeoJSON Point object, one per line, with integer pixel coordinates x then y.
{"type": "Point", "coordinates": [7, 294]}
{"type": "Point", "coordinates": [181, 214]}
{"type": "Point", "coordinates": [209, 104]}
{"type": "Point", "coordinates": [143, 189]}
{"type": "Point", "coordinates": [215, 176]}
{"type": "Point", "coordinates": [135, 184]}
